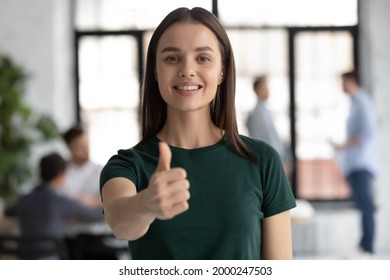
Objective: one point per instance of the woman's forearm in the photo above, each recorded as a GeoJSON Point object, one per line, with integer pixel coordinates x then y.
{"type": "Point", "coordinates": [128, 217]}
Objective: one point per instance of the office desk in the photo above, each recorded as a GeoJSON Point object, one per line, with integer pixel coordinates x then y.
{"type": "Point", "coordinates": [9, 225]}
{"type": "Point", "coordinates": [83, 240]}
{"type": "Point", "coordinates": [94, 241]}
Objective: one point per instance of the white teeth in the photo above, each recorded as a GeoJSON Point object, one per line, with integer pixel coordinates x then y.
{"type": "Point", "coordinates": [188, 87]}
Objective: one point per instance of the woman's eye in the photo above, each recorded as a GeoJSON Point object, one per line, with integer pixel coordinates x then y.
{"type": "Point", "coordinates": [203, 59]}
{"type": "Point", "coordinates": [172, 59]}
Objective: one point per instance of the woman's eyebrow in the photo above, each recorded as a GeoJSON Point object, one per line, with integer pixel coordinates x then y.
{"type": "Point", "coordinates": [170, 49]}
{"type": "Point", "coordinates": [205, 48]}
{"type": "Point", "coordinates": [198, 49]}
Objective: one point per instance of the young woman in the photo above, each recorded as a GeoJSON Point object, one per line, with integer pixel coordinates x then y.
{"type": "Point", "coordinates": [193, 188]}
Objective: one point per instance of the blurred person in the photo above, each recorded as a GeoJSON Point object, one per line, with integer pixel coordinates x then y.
{"type": "Point", "coordinates": [82, 183]}
{"type": "Point", "coordinates": [359, 155]}
{"type": "Point", "coordinates": [82, 174]}
{"type": "Point", "coordinates": [260, 123]}
{"type": "Point", "coordinates": [193, 188]}
{"type": "Point", "coordinates": [44, 212]}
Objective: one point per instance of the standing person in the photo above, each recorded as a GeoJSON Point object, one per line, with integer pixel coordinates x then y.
{"type": "Point", "coordinates": [45, 212]}
{"type": "Point", "coordinates": [360, 155]}
{"type": "Point", "coordinates": [260, 123]}
{"type": "Point", "coordinates": [82, 174]}
{"type": "Point", "coordinates": [193, 188]}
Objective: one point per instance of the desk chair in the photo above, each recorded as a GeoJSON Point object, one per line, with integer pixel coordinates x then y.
{"type": "Point", "coordinates": [31, 248]}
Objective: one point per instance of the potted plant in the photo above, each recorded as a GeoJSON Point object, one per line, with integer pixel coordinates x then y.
{"type": "Point", "coordinates": [20, 128]}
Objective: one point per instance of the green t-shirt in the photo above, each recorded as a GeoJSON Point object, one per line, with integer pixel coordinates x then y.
{"type": "Point", "coordinates": [230, 196]}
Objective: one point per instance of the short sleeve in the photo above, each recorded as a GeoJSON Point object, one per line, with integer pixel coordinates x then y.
{"type": "Point", "coordinates": [277, 193]}
{"type": "Point", "coordinates": [119, 165]}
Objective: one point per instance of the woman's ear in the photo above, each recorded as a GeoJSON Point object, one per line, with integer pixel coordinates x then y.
{"type": "Point", "coordinates": [221, 77]}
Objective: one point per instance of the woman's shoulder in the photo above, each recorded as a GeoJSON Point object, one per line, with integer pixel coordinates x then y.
{"type": "Point", "coordinates": [265, 153]}
{"type": "Point", "coordinates": [134, 155]}
{"type": "Point", "coordinates": [256, 145]}
{"type": "Point", "coordinates": [148, 145]}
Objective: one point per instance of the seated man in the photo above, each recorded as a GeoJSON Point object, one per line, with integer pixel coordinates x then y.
{"type": "Point", "coordinates": [45, 212]}
{"type": "Point", "coordinates": [82, 174]}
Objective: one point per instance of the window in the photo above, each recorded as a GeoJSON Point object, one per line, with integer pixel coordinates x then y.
{"type": "Point", "coordinates": [321, 111]}
{"type": "Point", "coordinates": [109, 92]}
{"type": "Point", "coordinates": [288, 13]}
{"type": "Point", "coordinates": [262, 52]}
{"type": "Point", "coordinates": [125, 14]}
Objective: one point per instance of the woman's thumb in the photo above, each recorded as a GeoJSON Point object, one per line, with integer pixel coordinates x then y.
{"type": "Point", "coordinates": [164, 162]}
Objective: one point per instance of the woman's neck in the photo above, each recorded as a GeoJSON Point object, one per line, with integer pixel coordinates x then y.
{"type": "Point", "coordinates": [190, 130]}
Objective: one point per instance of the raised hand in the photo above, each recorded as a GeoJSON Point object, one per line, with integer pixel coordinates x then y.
{"type": "Point", "coordinates": [168, 191]}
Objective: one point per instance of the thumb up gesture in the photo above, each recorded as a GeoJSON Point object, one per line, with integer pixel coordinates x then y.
{"type": "Point", "coordinates": [168, 190]}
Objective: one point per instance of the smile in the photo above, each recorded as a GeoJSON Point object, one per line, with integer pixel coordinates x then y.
{"type": "Point", "coordinates": [188, 88]}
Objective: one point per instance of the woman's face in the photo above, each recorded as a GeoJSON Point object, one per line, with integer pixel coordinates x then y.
{"type": "Point", "coordinates": [188, 67]}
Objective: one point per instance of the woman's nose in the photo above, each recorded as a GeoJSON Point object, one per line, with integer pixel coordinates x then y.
{"type": "Point", "coordinates": [187, 69]}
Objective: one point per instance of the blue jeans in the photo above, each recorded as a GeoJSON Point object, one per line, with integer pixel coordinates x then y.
{"type": "Point", "coordinates": [360, 184]}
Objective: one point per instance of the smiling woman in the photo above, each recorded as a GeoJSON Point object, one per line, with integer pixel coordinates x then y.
{"type": "Point", "coordinates": [173, 193]}
{"type": "Point", "coordinates": [185, 67]}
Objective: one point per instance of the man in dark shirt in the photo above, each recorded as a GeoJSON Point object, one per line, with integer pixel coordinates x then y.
{"type": "Point", "coordinates": [45, 212]}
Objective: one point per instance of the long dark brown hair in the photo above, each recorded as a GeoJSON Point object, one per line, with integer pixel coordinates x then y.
{"type": "Point", "coordinates": [153, 110]}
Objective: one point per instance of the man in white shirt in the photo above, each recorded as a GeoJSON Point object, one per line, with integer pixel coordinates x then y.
{"type": "Point", "coordinates": [82, 175]}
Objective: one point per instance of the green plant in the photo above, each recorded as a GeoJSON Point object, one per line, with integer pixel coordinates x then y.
{"type": "Point", "coordinates": [20, 129]}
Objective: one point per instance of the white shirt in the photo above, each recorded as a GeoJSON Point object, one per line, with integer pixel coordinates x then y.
{"type": "Point", "coordinates": [83, 178]}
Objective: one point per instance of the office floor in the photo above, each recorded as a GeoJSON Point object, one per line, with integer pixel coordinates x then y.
{"type": "Point", "coordinates": [333, 234]}
{"type": "Point", "coordinates": [347, 256]}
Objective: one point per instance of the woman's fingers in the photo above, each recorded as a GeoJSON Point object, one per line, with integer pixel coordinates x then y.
{"type": "Point", "coordinates": [168, 190]}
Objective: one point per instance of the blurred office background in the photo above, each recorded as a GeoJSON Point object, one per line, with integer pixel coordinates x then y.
{"type": "Point", "coordinates": [85, 57]}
